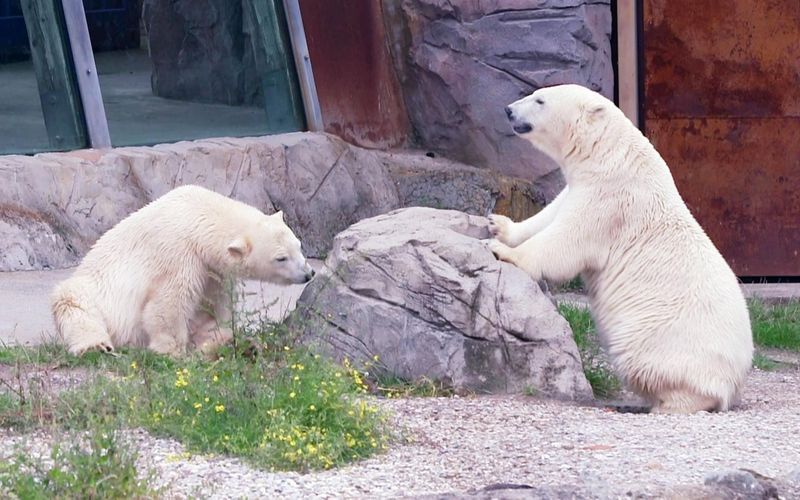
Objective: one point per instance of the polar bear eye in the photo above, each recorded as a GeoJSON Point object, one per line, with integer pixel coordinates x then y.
{"type": "Point", "coordinates": [282, 259]}
{"type": "Point", "coordinates": [539, 100]}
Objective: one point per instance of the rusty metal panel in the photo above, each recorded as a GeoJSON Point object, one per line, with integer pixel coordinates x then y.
{"type": "Point", "coordinates": [358, 90]}
{"type": "Point", "coordinates": [740, 178]}
{"type": "Point", "coordinates": [722, 105]}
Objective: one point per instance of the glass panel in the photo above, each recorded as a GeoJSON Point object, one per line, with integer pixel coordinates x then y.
{"type": "Point", "coordinates": [186, 70]}
{"type": "Point", "coordinates": [39, 106]}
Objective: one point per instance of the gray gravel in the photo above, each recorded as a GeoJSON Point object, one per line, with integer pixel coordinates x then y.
{"type": "Point", "coordinates": [459, 444]}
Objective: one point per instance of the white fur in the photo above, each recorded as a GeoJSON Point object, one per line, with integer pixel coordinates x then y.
{"type": "Point", "coordinates": [156, 279]}
{"type": "Point", "coordinates": [667, 305]}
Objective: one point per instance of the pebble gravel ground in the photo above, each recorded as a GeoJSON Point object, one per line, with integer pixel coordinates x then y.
{"type": "Point", "coordinates": [465, 443]}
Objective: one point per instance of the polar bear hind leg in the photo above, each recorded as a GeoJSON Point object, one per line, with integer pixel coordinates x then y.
{"type": "Point", "coordinates": [686, 401]}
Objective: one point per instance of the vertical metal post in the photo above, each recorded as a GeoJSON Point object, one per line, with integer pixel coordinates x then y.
{"type": "Point", "coordinates": [628, 71]}
{"type": "Point", "coordinates": [302, 62]}
{"type": "Point", "coordinates": [88, 81]}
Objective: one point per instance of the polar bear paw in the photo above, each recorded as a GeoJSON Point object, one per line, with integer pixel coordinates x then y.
{"type": "Point", "coordinates": [102, 345]}
{"type": "Point", "coordinates": [501, 228]}
{"type": "Point", "coordinates": [501, 251]}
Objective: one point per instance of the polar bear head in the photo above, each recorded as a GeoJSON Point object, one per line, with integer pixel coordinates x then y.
{"type": "Point", "coordinates": [561, 120]}
{"type": "Point", "coordinates": [269, 251]}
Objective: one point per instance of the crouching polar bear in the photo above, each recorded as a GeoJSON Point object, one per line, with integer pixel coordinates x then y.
{"type": "Point", "coordinates": [668, 307]}
{"type": "Point", "coordinates": [157, 279]}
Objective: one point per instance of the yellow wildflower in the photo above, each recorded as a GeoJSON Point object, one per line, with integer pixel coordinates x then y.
{"type": "Point", "coordinates": [134, 365]}
{"type": "Point", "coordinates": [215, 378]}
{"type": "Point", "coordinates": [312, 407]}
{"type": "Point", "coordinates": [219, 408]}
{"type": "Point", "coordinates": [292, 394]}
{"type": "Point", "coordinates": [198, 405]}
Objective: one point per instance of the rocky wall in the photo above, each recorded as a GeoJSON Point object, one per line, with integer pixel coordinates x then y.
{"type": "Point", "coordinates": [53, 206]}
{"type": "Point", "coordinates": [461, 62]}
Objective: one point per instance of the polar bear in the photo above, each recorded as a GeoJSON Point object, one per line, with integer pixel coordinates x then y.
{"type": "Point", "coordinates": [668, 307]}
{"type": "Point", "coordinates": [157, 279]}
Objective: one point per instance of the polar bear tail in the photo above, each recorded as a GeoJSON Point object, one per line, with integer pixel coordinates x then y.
{"type": "Point", "coordinates": [77, 318]}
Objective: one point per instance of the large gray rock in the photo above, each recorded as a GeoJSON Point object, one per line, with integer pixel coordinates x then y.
{"type": "Point", "coordinates": [419, 289]}
{"type": "Point", "coordinates": [462, 62]}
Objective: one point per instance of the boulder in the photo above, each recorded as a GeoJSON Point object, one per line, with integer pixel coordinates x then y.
{"type": "Point", "coordinates": [418, 288]}
{"type": "Point", "coordinates": [460, 63]}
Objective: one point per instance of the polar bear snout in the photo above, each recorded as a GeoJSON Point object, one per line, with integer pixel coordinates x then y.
{"type": "Point", "coordinates": [519, 126]}
{"type": "Point", "coordinates": [309, 273]}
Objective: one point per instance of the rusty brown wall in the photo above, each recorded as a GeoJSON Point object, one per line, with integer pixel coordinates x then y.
{"type": "Point", "coordinates": [722, 105]}
{"type": "Point", "coordinates": [358, 90]}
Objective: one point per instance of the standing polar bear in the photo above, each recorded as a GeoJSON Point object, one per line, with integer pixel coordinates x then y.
{"type": "Point", "coordinates": [157, 278]}
{"type": "Point", "coordinates": [667, 306]}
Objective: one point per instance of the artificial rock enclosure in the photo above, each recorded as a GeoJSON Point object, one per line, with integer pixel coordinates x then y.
{"type": "Point", "coordinates": [484, 326]}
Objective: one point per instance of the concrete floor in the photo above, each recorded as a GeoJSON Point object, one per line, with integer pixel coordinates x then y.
{"type": "Point", "coordinates": [135, 116]}
{"type": "Point", "coordinates": [25, 309]}
{"type": "Point", "coordinates": [25, 313]}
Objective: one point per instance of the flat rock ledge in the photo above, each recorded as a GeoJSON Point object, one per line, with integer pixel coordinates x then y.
{"type": "Point", "coordinates": [418, 288]}
{"type": "Point", "coordinates": [53, 206]}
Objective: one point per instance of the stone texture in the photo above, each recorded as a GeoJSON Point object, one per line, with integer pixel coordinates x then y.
{"type": "Point", "coordinates": [322, 184]}
{"type": "Point", "coordinates": [54, 206]}
{"type": "Point", "coordinates": [419, 289]}
{"type": "Point", "coordinates": [437, 182]}
{"type": "Point", "coordinates": [28, 242]}
{"type": "Point", "coordinates": [462, 62]}
{"type": "Point", "coordinates": [201, 50]}
{"type": "Point", "coordinates": [741, 484]}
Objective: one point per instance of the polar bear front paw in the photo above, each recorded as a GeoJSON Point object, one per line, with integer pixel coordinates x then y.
{"type": "Point", "coordinates": [84, 347]}
{"type": "Point", "coordinates": [501, 251]}
{"type": "Point", "coordinates": [501, 228]}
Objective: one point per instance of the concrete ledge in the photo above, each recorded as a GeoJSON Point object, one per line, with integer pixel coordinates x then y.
{"type": "Point", "coordinates": [54, 206]}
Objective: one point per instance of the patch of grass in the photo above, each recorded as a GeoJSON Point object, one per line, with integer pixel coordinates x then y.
{"type": "Point", "coordinates": [45, 353]}
{"type": "Point", "coordinates": [530, 391]}
{"type": "Point", "coordinates": [604, 383]}
{"type": "Point", "coordinates": [276, 405]}
{"type": "Point", "coordinates": [95, 465]}
{"type": "Point", "coordinates": [765, 363]}
{"type": "Point", "coordinates": [395, 387]}
{"type": "Point", "coordinates": [776, 325]}
{"type": "Point", "coordinates": [573, 285]}
{"type": "Point", "coordinates": [55, 355]}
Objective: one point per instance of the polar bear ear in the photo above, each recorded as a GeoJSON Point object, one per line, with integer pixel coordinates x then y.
{"type": "Point", "coordinates": [278, 214]}
{"type": "Point", "coordinates": [239, 248]}
{"type": "Point", "coordinates": [595, 113]}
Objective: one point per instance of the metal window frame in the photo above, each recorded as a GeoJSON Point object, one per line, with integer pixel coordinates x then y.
{"type": "Point", "coordinates": [94, 110]}
{"type": "Point", "coordinates": [302, 61]}
{"type": "Point", "coordinates": [89, 114]}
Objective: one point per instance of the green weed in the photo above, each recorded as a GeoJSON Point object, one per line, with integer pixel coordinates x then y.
{"type": "Point", "coordinates": [776, 325]}
{"type": "Point", "coordinates": [95, 465]}
{"type": "Point", "coordinates": [604, 383]}
{"type": "Point", "coordinates": [765, 363]}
